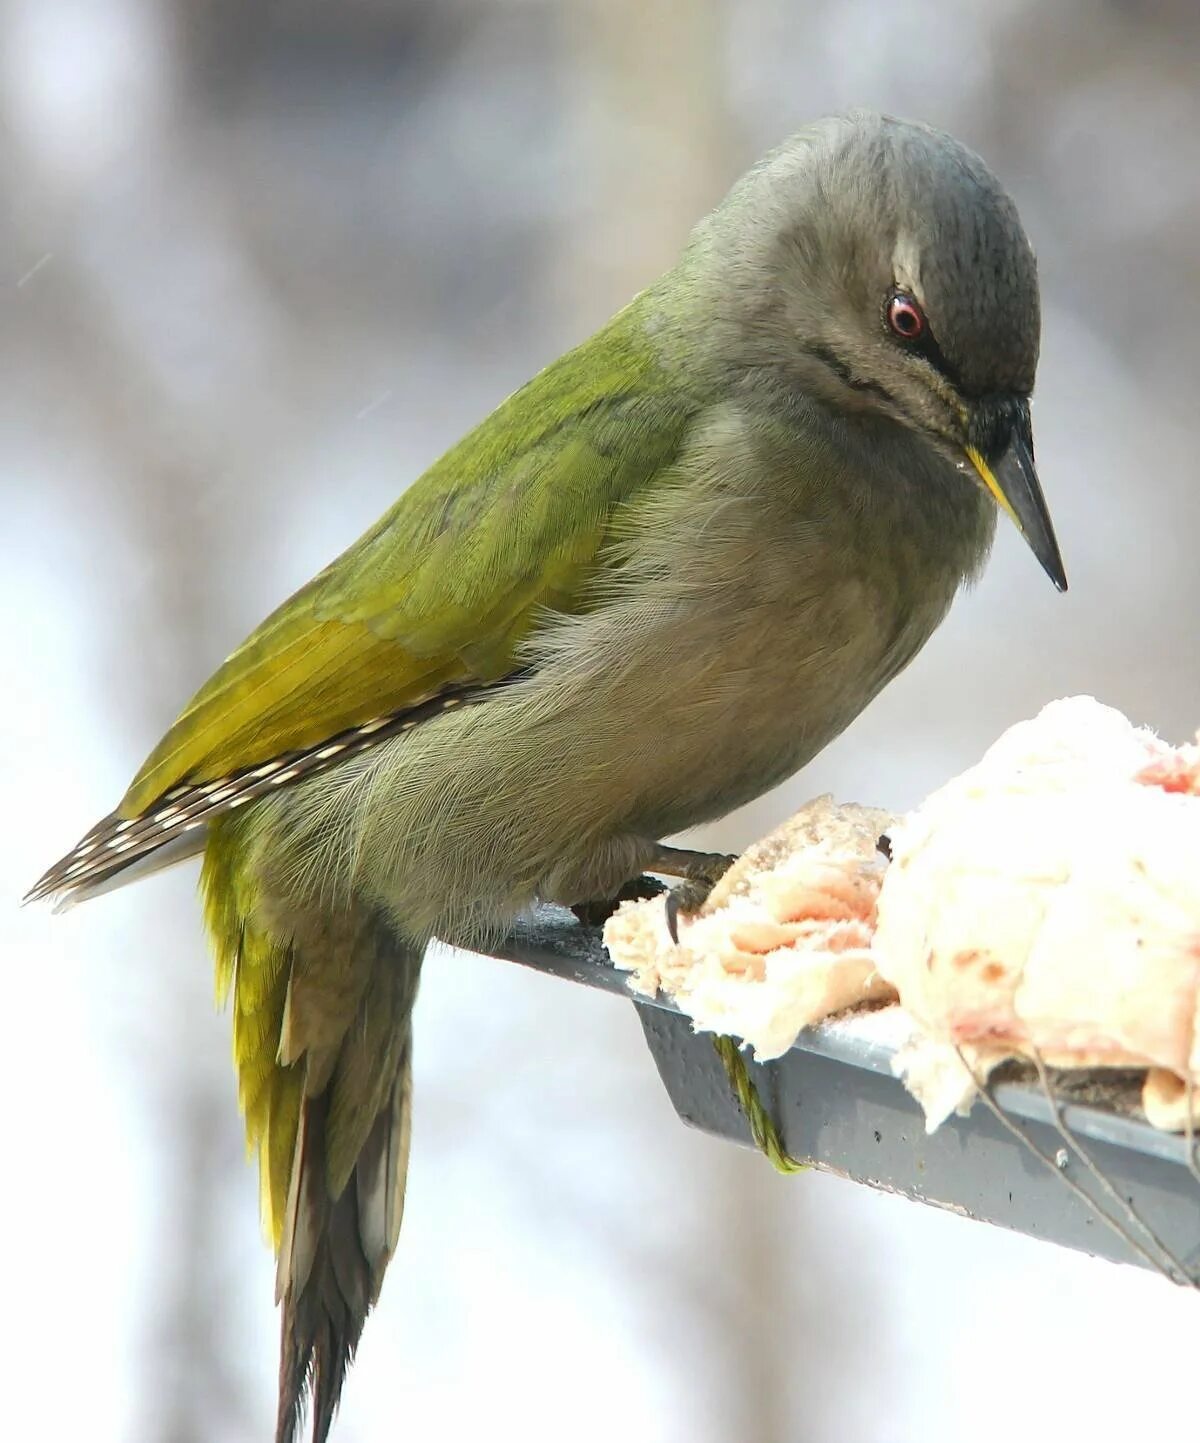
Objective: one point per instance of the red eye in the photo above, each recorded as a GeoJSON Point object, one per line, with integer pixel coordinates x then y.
{"type": "Point", "coordinates": [905, 317]}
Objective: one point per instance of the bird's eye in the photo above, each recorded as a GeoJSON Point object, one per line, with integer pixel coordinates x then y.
{"type": "Point", "coordinates": [905, 318]}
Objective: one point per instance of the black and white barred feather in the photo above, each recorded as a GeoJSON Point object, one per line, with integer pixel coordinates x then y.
{"type": "Point", "coordinates": [174, 827]}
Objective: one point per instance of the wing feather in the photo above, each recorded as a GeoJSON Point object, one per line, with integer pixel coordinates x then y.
{"type": "Point", "coordinates": [440, 592]}
{"type": "Point", "coordinates": [428, 609]}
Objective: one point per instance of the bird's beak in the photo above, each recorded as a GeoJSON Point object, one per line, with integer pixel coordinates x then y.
{"type": "Point", "coordinates": [1000, 447]}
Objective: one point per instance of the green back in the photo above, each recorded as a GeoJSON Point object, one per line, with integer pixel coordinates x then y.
{"type": "Point", "coordinates": [441, 590]}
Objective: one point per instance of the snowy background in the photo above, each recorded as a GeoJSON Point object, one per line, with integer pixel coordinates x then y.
{"type": "Point", "coordinates": [259, 264]}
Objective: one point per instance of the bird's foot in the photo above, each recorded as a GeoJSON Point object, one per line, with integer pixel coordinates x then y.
{"type": "Point", "coordinates": [762, 1125]}
{"type": "Point", "coordinates": [685, 900]}
{"type": "Point", "coordinates": [700, 871]}
{"type": "Point", "coordinates": [637, 889]}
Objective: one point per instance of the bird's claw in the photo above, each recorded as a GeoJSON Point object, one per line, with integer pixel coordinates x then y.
{"type": "Point", "coordinates": [704, 870]}
{"type": "Point", "coordinates": [685, 900]}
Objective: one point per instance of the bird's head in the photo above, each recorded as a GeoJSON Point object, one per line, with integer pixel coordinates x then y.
{"type": "Point", "coordinates": [883, 262]}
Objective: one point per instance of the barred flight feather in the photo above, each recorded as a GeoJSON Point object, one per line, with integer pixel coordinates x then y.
{"type": "Point", "coordinates": [118, 842]}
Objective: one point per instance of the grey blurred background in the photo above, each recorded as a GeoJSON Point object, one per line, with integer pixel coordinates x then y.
{"type": "Point", "coordinates": [259, 264]}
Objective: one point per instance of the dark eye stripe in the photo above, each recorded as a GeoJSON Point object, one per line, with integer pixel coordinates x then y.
{"type": "Point", "coordinates": [929, 350]}
{"type": "Point", "coordinates": [844, 374]}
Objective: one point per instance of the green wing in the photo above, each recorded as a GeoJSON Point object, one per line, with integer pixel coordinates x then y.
{"type": "Point", "coordinates": [443, 588]}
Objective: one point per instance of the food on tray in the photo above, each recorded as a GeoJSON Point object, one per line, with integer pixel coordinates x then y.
{"type": "Point", "coordinates": [1044, 904]}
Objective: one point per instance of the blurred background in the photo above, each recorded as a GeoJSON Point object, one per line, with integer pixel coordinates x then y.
{"type": "Point", "coordinates": [261, 263]}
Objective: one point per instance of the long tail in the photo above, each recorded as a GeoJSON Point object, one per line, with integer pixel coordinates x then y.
{"type": "Point", "coordinates": [322, 1025]}
{"type": "Point", "coordinates": [332, 1268]}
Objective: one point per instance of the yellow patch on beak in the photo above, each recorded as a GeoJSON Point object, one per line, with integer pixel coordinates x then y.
{"type": "Point", "coordinates": [989, 480]}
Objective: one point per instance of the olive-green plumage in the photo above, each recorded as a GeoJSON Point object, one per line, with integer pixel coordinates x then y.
{"type": "Point", "coordinates": [441, 590]}
{"type": "Point", "coordinates": [654, 582]}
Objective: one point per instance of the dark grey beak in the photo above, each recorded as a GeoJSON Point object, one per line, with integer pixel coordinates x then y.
{"type": "Point", "coordinates": [1000, 447]}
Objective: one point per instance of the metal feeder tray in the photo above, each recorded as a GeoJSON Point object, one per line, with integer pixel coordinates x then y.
{"type": "Point", "coordinates": [838, 1106]}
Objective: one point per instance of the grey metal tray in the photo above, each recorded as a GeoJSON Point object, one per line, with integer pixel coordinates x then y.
{"type": "Point", "coordinates": [838, 1106]}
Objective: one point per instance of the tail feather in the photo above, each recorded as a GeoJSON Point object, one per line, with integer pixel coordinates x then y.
{"type": "Point", "coordinates": [322, 1003]}
{"type": "Point", "coordinates": [334, 1253]}
{"type": "Point", "coordinates": [379, 1178]}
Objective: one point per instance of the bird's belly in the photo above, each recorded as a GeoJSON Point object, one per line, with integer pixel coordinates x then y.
{"type": "Point", "coordinates": [722, 697]}
{"type": "Point", "coordinates": [709, 727]}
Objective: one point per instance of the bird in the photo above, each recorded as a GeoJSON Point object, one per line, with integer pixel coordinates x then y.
{"type": "Point", "coordinates": [654, 582]}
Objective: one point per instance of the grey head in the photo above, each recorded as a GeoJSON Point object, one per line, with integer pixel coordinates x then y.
{"type": "Point", "coordinates": [882, 267]}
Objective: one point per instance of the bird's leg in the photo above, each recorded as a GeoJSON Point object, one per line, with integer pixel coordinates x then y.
{"type": "Point", "coordinates": [637, 889]}
{"type": "Point", "coordinates": [596, 879]}
{"type": "Point", "coordinates": [594, 885]}
{"type": "Point", "coordinates": [679, 862]}
{"type": "Point", "coordinates": [700, 871]}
